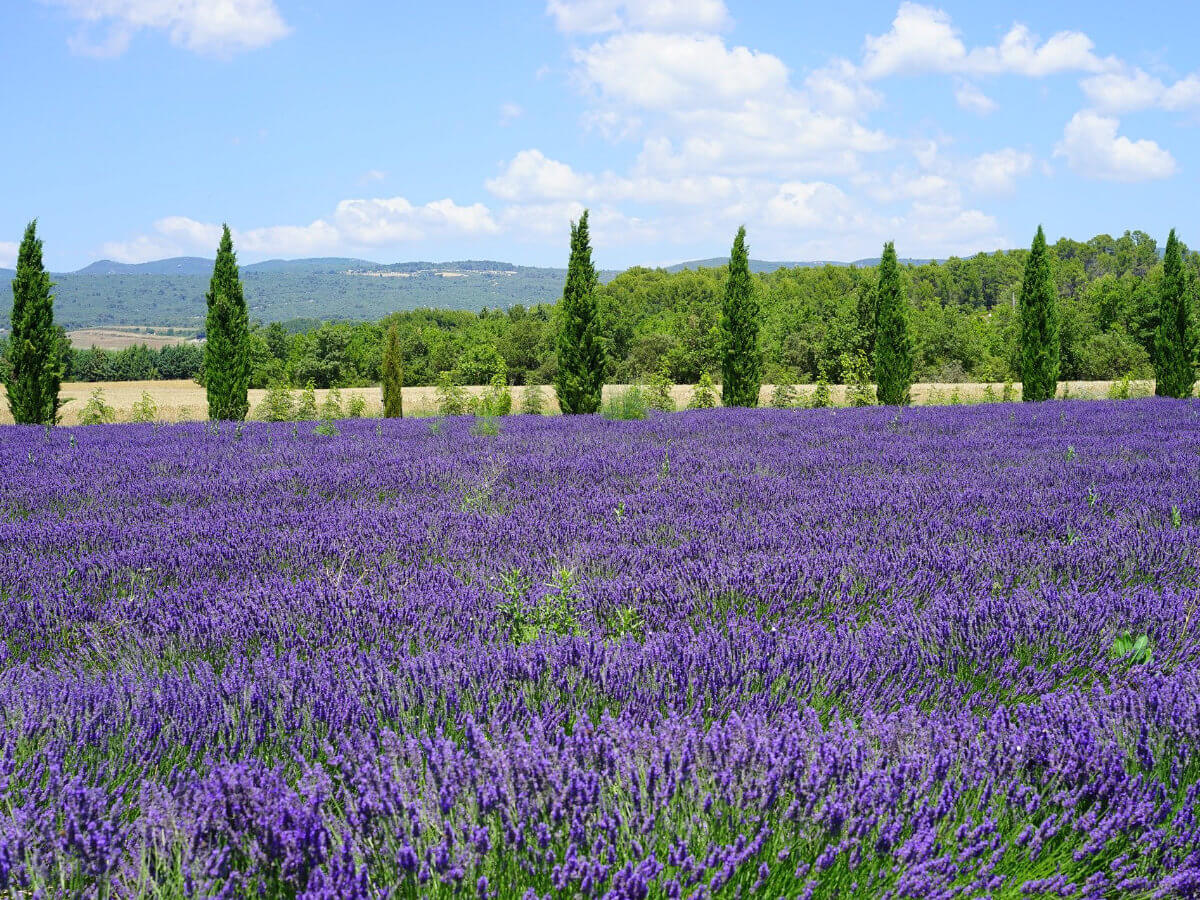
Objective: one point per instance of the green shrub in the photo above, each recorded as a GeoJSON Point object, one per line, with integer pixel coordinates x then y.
{"type": "Point", "coordinates": [277, 405]}
{"type": "Point", "coordinates": [306, 409]}
{"type": "Point", "coordinates": [658, 392]}
{"type": "Point", "coordinates": [452, 399]}
{"type": "Point", "coordinates": [783, 397]}
{"type": "Point", "coordinates": [97, 411]}
{"type": "Point", "coordinates": [145, 409]}
{"type": "Point", "coordinates": [625, 404]}
{"type": "Point", "coordinates": [356, 406]}
{"type": "Point", "coordinates": [331, 406]}
{"type": "Point", "coordinates": [704, 396]}
{"type": "Point", "coordinates": [533, 401]}
{"type": "Point", "coordinates": [822, 397]}
{"type": "Point", "coordinates": [857, 376]}
{"type": "Point", "coordinates": [495, 401]}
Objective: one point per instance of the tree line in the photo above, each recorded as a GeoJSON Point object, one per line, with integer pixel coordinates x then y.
{"type": "Point", "coordinates": [1100, 309]}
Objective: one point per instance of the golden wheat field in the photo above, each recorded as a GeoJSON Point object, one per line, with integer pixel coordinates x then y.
{"type": "Point", "coordinates": [184, 401]}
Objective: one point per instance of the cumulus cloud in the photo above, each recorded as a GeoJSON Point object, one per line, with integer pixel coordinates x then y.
{"type": "Point", "coordinates": [1092, 148]}
{"type": "Point", "coordinates": [815, 204]}
{"type": "Point", "coordinates": [923, 39]}
{"type": "Point", "coordinates": [1132, 89]}
{"type": "Point", "coordinates": [356, 223]}
{"type": "Point", "coordinates": [219, 27]}
{"type": "Point", "coordinates": [530, 175]}
{"type": "Point", "coordinates": [972, 99]}
{"type": "Point", "coordinates": [669, 71]}
{"type": "Point", "coordinates": [997, 172]}
{"type": "Point", "coordinates": [597, 16]}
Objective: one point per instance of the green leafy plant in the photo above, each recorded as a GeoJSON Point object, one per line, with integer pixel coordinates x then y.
{"type": "Point", "coordinates": [859, 390]}
{"type": "Point", "coordinates": [277, 405]}
{"type": "Point", "coordinates": [533, 400]}
{"type": "Point", "coordinates": [822, 397]}
{"type": "Point", "coordinates": [783, 397]}
{"type": "Point", "coordinates": [627, 404]}
{"type": "Point", "coordinates": [1136, 651]}
{"type": "Point", "coordinates": [356, 406]}
{"type": "Point", "coordinates": [97, 411]}
{"type": "Point", "coordinates": [1120, 390]}
{"type": "Point", "coordinates": [704, 396]}
{"type": "Point", "coordinates": [452, 399]}
{"type": "Point", "coordinates": [306, 408]}
{"type": "Point", "coordinates": [1070, 454]}
{"type": "Point", "coordinates": [1176, 518]}
{"type": "Point", "coordinates": [144, 410]}
{"type": "Point", "coordinates": [658, 393]}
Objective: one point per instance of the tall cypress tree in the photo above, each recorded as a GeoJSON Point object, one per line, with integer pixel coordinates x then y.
{"type": "Point", "coordinates": [1175, 341]}
{"type": "Point", "coordinates": [741, 358]}
{"type": "Point", "coordinates": [893, 345]}
{"type": "Point", "coordinates": [1039, 325]}
{"type": "Point", "coordinates": [35, 349]}
{"type": "Point", "coordinates": [580, 344]}
{"type": "Point", "coordinates": [393, 375]}
{"type": "Point", "coordinates": [227, 348]}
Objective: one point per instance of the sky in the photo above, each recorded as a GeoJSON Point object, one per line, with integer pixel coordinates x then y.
{"type": "Point", "coordinates": [479, 130]}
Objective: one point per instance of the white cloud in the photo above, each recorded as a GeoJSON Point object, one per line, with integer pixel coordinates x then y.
{"type": "Point", "coordinates": [356, 223]}
{"type": "Point", "coordinates": [1018, 53]}
{"type": "Point", "coordinates": [597, 16]}
{"type": "Point", "coordinates": [372, 175]}
{"type": "Point", "coordinates": [8, 254]}
{"type": "Point", "coordinates": [997, 172]}
{"type": "Point", "coordinates": [923, 39]}
{"type": "Point", "coordinates": [811, 205]}
{"type": "Point", "coordinates": [972, 99]}
{"type": "Point", "coordinates": [838, 88]}
{"type": "Point", "coordinates": [1131, 89]}
{"type": "Point", "coordinates": [530, 175]}
{"type": "Point", "coordinates": [394, 219]}
{"type": "Point", "coordinates": [669, 71]}
{"type": "Point", "coordinates": [216, 27]}
{"type": "Point", "coordinates": [1093, 149]}
{"type": "Point", "coordinates": [510, 112]}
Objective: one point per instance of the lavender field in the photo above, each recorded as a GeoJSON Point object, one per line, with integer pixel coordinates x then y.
{"type": "Point", "coordinates": [942, 652]}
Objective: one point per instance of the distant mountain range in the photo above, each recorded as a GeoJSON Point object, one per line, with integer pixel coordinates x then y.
{"type": "Point", "coordinates": [170, 292]}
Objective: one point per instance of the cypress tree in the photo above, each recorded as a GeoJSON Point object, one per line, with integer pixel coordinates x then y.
{"type": "Point", "coordinates": [227, 348]}
{"type": "Point", "coordinates": [35, 348]}
{"type": "Point", "coordinates": [893, 345]}
{"type": "Point", "coordinates": [393, 376]}
{"type": "Point", "coordinates": [580, 345]}
{"type": "Point", "coordinates": [1175, 341]}
{"type": "Point", "coordinates": [741, 359]}
{"type": "Point", "coordinates": [1039, 325]}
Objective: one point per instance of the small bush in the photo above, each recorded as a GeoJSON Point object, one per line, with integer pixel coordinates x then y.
{"type": "Point", "coordinates": [277, 405]}
{"type": "Point", "coordinates": [658, 392]}
{"type": "Point", "coordinates": [1119, 390]}
{"type": "Point", "coordinates": [822, 397]}
{"type": "Point", "coordinates": [145, 409]}
{"type": "Point", "coordinates": [627, 404]}
{"type": "Point", "coordinates": [857, 375]}
{"type": "Point", "coordinates": [97, 411]}
{"type": "Point", "coordinates": [306, 409]}
{"type": "Point", "coordinates": [533, 400]}
{"type": "Point", "coordinates": [705, 395]}
{"type": "Point", "coordinates": [783, 397]}
{"type": "Point", "coordinates": [452, 399]}
{"type": "Point", "coordinates": [331, 406]}
{"type": "Point", "coordinates": [356, 406]}
{"type": "Point", "coordinates": [495, 401]}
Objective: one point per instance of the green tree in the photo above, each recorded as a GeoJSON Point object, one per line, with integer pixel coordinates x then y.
{"type": "Point", "coordinates": [741, 358]}
{"type": "Point", "coordinates": [227, 348]}
{"type": "Point", "coordinates": [1174, 341]}
{"type": "Point", "coordinates": [393, 375]}
{"type": "Point", "coordinates": [35, 351]}
{"type": "Point", "coordinates": [893, 344]}
{"type": "Point", "coordinates": [580, 344]}
{"type": "Point", "coordinates": [1039, 325]}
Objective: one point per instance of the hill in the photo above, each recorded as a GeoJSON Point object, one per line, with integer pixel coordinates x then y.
{"type": "Point", "coordinates": [169, 293]}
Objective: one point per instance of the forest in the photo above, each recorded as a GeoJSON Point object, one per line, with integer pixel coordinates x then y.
{"type": "Point", "coordinates": [963, 322]}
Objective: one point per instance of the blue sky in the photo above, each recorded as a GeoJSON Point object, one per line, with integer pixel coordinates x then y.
{"type": "Point", "coordinates": [401, 131]}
